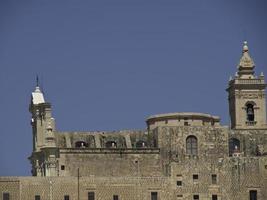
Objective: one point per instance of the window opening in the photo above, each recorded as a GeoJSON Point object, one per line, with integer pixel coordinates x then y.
{"type": "Point", "coordinates": [179, 183]}
{"type": "Point", "coordinates": [191, 145]}
{"type": "Point", "coordinates": [253, 195]}
{"type": "Point", "coordinates": [141, 144]}
{"type": "Point", "coordinates": [154, 196]}
{"type": "Point", "coordinates": [195, 177]}
{"type": "Point", "coordinates": [66, 197]}
{"type": "Point", "coordinates": [214, 197]}
{"type": "Point", "coordinates": [81, 144]}
{"type": "Point", "coordinates": [234, 146]}
{"type": "Point", "coordinates": [250, 112]}
{"type": "Point", "coordinates": [91, 196]}
{"type": "Point", "coordinates": [37, 197]}
{"type": "Point", "coordinates": [111, 144]}
{"type": "Point", "coordinates": [5, 196]}
{"type": "Point", "coordinates": [214, 179]}
{"type": "Point", "coordinates": [115, 197]}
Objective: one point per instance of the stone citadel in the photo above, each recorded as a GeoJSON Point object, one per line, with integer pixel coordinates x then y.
{"type": "Point", "coordinates": [180, 156]}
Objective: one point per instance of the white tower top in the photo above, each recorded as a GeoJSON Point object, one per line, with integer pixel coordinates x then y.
{"type": "Point", "coordinates": [37, 96]}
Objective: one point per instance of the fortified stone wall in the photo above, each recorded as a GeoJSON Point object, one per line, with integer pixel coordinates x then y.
{"type": "Point", "coordinates": [104, 188]}
{"type": "Point", "coordinates": [125, 158]}
{"type": "Point", "coordinates": [110, 162]}
{"type": "Point", "coordinates": [232, 183]}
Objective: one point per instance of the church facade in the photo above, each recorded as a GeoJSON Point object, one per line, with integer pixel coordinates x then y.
{"type": "Point", "coordinates": [179, 156]}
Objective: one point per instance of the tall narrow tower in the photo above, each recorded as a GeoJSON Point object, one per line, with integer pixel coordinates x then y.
{"type": "Point", "coordinates": [246, 95]}
{"type": "Point", "coordinates": [43, 158]}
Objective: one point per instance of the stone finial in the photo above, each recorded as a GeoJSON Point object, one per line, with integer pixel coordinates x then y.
{"type": "Point", "coordinates": [246, 64]}
{"type": "Point", "coordinates": [245, 46]}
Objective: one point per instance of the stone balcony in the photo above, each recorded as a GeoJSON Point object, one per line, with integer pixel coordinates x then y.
{"type": "Point", "coordinates": [251, 123]}
{"type": "Point", "coordinates": [249, 81]}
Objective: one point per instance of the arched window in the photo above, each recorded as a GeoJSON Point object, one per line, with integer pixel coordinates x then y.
{"type": "Point", "coordinates": [141, 144]}
{"type": "Point", "coordinates": [250, 112]}
{"type": "Point", "coordinates": [81, 144]}
{"type": "Point", "coordinates": [111, 144]}
{"type": "Point", "coordinates": [234, 145]}
{"type": "Point", "coordinates": [191, 145]}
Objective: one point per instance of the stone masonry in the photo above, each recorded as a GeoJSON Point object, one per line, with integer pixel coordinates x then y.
{"type": "Point", "coordinates": [180, 156]}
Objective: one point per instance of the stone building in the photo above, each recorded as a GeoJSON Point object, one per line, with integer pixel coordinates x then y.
{"type": "Point", "coordinates": [180, 156]}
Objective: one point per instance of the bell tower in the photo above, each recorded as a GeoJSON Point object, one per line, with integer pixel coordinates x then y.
{"type": "Point", "coordinates": [44, 155]}
{"type": "Point", "coordinates": [246, 95]}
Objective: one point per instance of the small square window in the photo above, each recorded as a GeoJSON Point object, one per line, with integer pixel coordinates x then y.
{"type": "Point", "coordinates": [37, 197]}
{"type": "Point", "coordinates": [115, 197]}
{"type": "Point", "coordinates": [195, 177]}
{"type": "Point", "coordinates": [5, 196]}
{"type": "Point", "coordinates": [62, 167]}
{"type": "Point", "coordinates": [179, 183]}
{"type": "Point", "coordinates": [186, 124]}
{"type": "Point", "coordinates": [91, 196]}
{"type": "Point", "coordinates": [214, 197]}
{"type": "Point", "coordinates": [196, 197]}
{"type": "Point", "coordinates": [66, 197]}
{"type": "Point", "coordinates": [214, 179]}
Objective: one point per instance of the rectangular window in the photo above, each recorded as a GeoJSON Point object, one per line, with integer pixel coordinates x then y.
{"type": "Point", "coordinates": [154, 196]}
{"type": "Point", "coordinates": [91, 196]}
{"type": "Point", "coordinates": [115, 197]}
{"type": "Point", "coordinates": [37, 197]}
{"type": "Point", "coordinates": [5, 196]}
{"type": "Point", "coordinates": [195, 177]}
{"type": "Point", "coordinates": [214, 197]}
{"type": "Point", "coordinates": [214, 179]}
{"type": "Point", "coordinates": [66, 197]}
{"type": "Point", "coordinates": [253, 195]}
{"type": "Point", "coordinates": [196, 197]}
{"type": "Point", "coordinates": [179, 183]}
{"type": "Point", "coordinates": [62, 167]}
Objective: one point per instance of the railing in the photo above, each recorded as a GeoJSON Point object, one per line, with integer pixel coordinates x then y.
{"type": "Point", "coordinates": [251, 123]}
{"type": "Point", "coordinates": [249, 81]}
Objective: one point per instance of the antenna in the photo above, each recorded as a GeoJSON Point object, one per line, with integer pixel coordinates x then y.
{"type": "Point", "coordinates": [37, 81]}
{"type": "Point", "coordinates": [42, 84]}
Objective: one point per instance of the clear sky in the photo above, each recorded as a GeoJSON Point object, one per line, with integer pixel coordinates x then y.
{"type": "Point", "coordinates": [107, 65]}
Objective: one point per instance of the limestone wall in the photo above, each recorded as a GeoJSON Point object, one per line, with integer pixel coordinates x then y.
{"type": "Point", "coordinates": [110, 162]}
{"type": "Point", "coordinates": [232, 183]}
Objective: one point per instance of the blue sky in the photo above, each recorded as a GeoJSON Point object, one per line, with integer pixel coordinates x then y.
{"type": "Point", "coordinates": [107, 65]}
